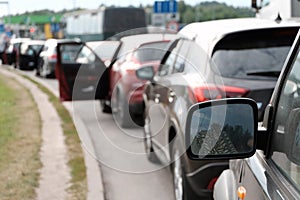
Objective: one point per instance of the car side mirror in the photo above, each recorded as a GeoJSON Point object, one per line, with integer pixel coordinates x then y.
{"type": "Point", "coordinates": [145, 73]}
{"type": "Point", "coordinates": [222, 129]}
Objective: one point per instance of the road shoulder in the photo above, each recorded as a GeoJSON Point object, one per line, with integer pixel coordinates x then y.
{"type": "Point", "coordinates": [55, 174]}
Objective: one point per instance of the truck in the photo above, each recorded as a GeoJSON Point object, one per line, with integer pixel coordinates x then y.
{"type": "Point", "coordinates": [102, 23]}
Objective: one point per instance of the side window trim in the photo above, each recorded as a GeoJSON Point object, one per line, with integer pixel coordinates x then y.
{"type": "Point", "coordinates": [174, 47]}
{"type": "Point", "coordinates": [279, 154]}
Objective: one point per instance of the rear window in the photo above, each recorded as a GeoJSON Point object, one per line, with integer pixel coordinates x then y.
{"type": "Point", "coordinates": [150, 52]}
{"type": "Point", "coordinates": [258, 54]}
{"type": "Point", "coordinates": [106, 50]}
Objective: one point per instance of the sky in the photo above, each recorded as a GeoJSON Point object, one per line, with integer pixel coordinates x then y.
{"type": "Point", "coordinates": [21, 6]}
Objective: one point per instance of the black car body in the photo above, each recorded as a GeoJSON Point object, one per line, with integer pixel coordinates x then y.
{"type": "Point", "coordinates": [13, 50]}
{"type": "Point", "coordinates": [29, 54]}
{"type": "Point", "coordinates": [273, 171]}
{"type": "Point", "coordinates": [213, 60]}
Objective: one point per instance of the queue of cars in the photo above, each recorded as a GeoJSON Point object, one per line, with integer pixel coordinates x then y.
{"type": "Point", "coordinates": [204, 61]}
{"type": "Point", "coordinates": [175, 84]}
{"type": "Point", "coordinates": [211, 60]}
{"type": "Point", "coordinates": [28, 54]}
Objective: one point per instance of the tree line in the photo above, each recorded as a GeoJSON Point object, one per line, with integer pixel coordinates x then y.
{"type": "Point", "coordinates": [206, 11]}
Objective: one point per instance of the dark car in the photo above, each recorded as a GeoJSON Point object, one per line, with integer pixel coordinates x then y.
{"type": "Point", "coordinates": [273, 172]}
{"type": "Point", "coordinates": [127, 99]}
{"type": "Point", "coordinates": [212, 60]}
{"type": "Point", "coordinates": [13, 50]}
{"type": "Point", "coordinates": [27, 58]}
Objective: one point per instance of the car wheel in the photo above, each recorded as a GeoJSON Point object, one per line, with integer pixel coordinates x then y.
{"type": "Point", "coordinates": [177, 176]}
{"type": "Point", "coordinates": [43, 71]}
{"type": "Point", "coordinates": [182, 190]}
{"type": "Point", "coordinates": [105, 108]}
{"type": "Point", "coordinates": [39, 67]}
{"type": "Point", "coordinates": [149, 150]}
{"type": "Point", "coordinates": [120, 109]}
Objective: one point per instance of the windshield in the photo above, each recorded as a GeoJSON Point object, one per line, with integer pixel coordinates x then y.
{"type": "Point", "coordinates": [150, 52]}
{"type": "Point", "coordinates": [253, 54]}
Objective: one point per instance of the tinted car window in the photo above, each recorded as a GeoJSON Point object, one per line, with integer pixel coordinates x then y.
{"type": "Point", "coordinates": [167, 64]}
{"type": "Point", "coordinates": [253, 54]}
{"type": "Point", "coordinates": [36, 48]}
{"type": "Point", "coordinates": [104, 50]}
{"type": "Point", "coordinates": [86, 56]}
{"type": "Point", "coordinates": [286, 141]}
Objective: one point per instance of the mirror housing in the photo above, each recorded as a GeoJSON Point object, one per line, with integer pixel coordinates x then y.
{"type": "Point", "coordinates": [222, 129]}
{"type": "Point", "coordinates": [145, 73]}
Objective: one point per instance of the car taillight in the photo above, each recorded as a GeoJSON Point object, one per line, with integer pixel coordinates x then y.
{"type": "Point", "coordinates": [53, 57]}
{"type": "Point", "coordinates": [205, 93]}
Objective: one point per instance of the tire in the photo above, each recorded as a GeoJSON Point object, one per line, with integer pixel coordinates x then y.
{"type": "Point", "coordinates": [120, 109]}
{"type": "Point", "coordinates": [182, 190]}
{"type": "Point", "coordinates": [176, 169]}
{"type": "Point", "coordinates": [105, 107]}
{"type": "Point", "coordinates": [43, 70]}
{"type": "Point", "coordinates": [39, 66]}
{"type": "Point", "coordinates": [149, 150]}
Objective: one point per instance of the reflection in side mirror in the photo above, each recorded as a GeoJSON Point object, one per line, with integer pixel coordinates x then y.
{"type": "Point", "coordinates": [145, 73]}
{"type": "Point", "coordinates": [222, 129]}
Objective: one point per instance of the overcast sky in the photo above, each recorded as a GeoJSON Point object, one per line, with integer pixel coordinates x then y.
{"type": "Point", "coordinates": [20, 6]}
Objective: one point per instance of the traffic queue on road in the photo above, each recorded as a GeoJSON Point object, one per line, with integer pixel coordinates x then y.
{"type": "Point", "coordinates": [199, 95]}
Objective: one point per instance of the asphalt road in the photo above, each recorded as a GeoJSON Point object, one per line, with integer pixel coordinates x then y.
{"type": "Point", "coordinates": [126, 172]}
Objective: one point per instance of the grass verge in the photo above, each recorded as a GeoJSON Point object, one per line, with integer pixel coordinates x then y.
{"type": "Point", "coordinates": [78, 187]}
{"type": "Point", "coordinates": [20, 141]}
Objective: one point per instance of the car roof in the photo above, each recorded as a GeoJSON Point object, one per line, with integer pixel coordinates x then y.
{"type": "Point", "coordinates": [210, 32]}
{"type": "Point", "coordinates": [19, 40]}
{"type": "Point", "coordinates": [94, 44]}
{"type": "Point", "coordinates": [35, 42]}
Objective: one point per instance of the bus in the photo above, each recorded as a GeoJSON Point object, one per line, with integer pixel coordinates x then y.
{"type": "Point", "coordinates": [102, 23]}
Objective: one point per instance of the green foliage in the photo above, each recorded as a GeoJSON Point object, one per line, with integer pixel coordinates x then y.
{"type": "Point", "coordinates": [206, 11]}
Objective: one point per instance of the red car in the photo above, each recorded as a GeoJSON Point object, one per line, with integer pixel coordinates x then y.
{"type": "Point", "coordinates": [83, 74]}
{"type": "Point", "coordinates": [127, 89]}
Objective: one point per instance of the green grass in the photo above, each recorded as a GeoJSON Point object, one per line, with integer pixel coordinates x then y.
{"type": "Point", "coordinates": [8, 114]}
{"type": "Point", "coordinates": [78, 188]}
{"type": "Point", "coordinates": [20, 142]}
{"type": "Point", "coordinates": [8, 118]}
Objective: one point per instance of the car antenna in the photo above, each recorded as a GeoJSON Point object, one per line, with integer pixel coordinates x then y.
{"type": "Point", "coordinates": [278, 18]}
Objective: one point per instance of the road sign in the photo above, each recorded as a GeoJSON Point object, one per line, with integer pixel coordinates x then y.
{"type": "Point", "coordinates": [173, 26]}
{"type": "Point", "coordinates": [165, 6]}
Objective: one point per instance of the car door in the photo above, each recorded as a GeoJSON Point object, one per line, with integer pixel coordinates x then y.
{"type": "Point", "coordinates": [158, 99]}
{"type": "Point", "coordinates": [27, 56]}
{"type": "Point", "coordinates": [275, 174]}
{"type": "Point", "coordinates": [82, 75]}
